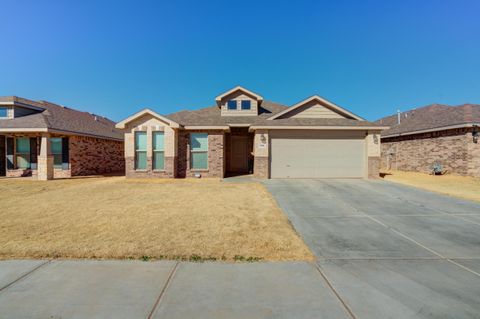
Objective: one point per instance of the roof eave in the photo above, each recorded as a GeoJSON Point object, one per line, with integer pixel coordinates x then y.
{"type": "Point", "coordinates": [238, 88]}
{"type": "Point", "coordinates": [50, 130]}
{"type": "Point", "coordinates": [436, 129]}
{"type": "Point", "coordinates": [122, 124]}
{"type": "Point", "coordinates": [316, 127]}
{"type": "Point", "coordinates": [321, 99]}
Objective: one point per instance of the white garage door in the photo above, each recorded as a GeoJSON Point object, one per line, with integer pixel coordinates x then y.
{"type": "Point", "coordinates": [317, 154]}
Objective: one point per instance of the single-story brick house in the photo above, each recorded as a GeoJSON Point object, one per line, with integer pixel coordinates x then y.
{"type": "Point", "coordinates": [443, 134]}
{"type": "Point", "coordinates": [244, 134]}
{"type": "Point", "coordinates": [46, 140]}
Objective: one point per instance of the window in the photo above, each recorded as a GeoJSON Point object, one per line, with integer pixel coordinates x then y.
{"type": "Point", "coordinates": [245, 105]}
{"type": "Point", "coordinates": [232, 105]}
{"type": "Point", "coordinates": [199, 150]}
{"type": "Point", "coordinates": [3, 111]}
{"type": "Point", "coordinates": [56, 146]}
{"type": "Point", "coordinates": [23, 152]}
{"type": "Point", "coordinates": [158, 150]}
{"type": "Point", "coordinates": [140, 150]}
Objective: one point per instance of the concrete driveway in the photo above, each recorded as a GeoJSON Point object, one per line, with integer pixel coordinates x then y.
{"type": "Point", "coordinates": [386, 250]}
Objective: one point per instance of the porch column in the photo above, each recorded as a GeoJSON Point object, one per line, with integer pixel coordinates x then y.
{"type": "Point", "coordinates": [45, 159]}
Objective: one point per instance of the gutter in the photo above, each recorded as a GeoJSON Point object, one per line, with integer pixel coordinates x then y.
{"type": "Point", "coordinates": [436, 129]}
{"type": "Point", "coordinates": [46, 130]}
{"type": "Point", "coordinates": [194, 127]}
{"type": "Point", "coordinates": [357, 128]}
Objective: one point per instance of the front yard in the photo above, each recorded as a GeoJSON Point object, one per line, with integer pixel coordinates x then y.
{"type": "Point", "coordinates": [459, 186]}
{"type": "Point", "coordinates": [118, 218]}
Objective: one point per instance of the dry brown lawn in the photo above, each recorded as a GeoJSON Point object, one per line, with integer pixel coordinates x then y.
{"type": "Point", "coordinates": [453, 185]}
{"type": "Point", "coordinates": [118, 218]}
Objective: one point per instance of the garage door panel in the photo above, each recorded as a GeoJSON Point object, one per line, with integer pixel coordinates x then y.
{"type": "Point", "coordinates": [316, 155]}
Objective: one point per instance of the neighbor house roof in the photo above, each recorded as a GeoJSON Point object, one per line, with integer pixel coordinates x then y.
{"type": "Point", "coordinates": [211, 117]}
{"type": "Point", "coordinates": [431, 118]}
{"type": "Point", "coordinates": [55, 118]}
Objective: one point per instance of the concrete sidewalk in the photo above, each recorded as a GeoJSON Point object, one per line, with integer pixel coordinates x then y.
{"type": "Point", "coordinates": [165, 289]}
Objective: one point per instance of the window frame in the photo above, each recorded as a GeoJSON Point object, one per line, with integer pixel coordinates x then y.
{"type": "Point", "coordinates": [7, 109]}
{"type": "Point", "coordinates": [249, 105]}
{"type": "Point", "coordinates": [192, 151]}
{"type": "Point", "coordinates": [138, 150]}
{"type": "Point", "coordinates": [156, 152]}
{"type": "Point", "coordinates": [230, 105]}
{"type": "Point", "coordinates": [23, 154]}
{"type": "Point", "coordinates": [57, 166]}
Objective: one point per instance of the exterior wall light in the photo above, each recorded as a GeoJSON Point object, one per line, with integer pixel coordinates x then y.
{"type": "Point", "coordinates": [475, 134]}
{"type": "Point", "coordinates": [263, 139]}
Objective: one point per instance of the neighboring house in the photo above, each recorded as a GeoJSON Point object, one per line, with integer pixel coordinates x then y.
{"type": "Point", "coordinates": [420, 138]}
{"type": "Point", "coordinates": [47, 140]}
{"type": "Point", "coordinates": [244, 134]}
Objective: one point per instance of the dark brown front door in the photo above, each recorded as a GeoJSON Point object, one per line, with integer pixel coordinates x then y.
{"type": "Point", "coordinates": [239, 154]}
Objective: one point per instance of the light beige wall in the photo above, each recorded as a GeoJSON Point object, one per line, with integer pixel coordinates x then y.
{"type": "Point", "coordinates": [238, 96]}
{"type": "Point", "coordinates": [313, 109]}
{"type": "Point", "coordinates": [261, 143]}
{"type": "Point", "coordinates": [373, 143]}
{"type": "Point", "coordinates": [149, 124]}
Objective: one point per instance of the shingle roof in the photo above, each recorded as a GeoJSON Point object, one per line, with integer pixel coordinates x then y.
{"type": "Point", "coordinates": [431, 117]}
{"type": "Point", "coordinates": [56, 117]}
{"type": "Point", "coordinates": [211, 116]}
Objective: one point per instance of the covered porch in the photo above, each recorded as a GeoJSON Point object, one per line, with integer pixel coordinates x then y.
{"type": "Point", "coordinates": [39, 155]}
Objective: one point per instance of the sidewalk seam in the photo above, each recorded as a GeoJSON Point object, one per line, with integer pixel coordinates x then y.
{"type": "Point", "coordinates": [344, 304]}
{"type": "Point", "coordinates": [24, 275]}
{"type": "Point", "coordinates": [162, 292]}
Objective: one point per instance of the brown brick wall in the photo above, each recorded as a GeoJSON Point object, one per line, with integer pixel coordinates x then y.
{"type": "Point", "coordinates": [216, 154]}
{"type": "Point", "coordinates": [260, 167]}
{"type": "Point", "coordinates": [453, 149]}
{"type": "Point", "coordinates": [91, 156]}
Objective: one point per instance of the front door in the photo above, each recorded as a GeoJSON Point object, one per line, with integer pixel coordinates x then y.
{"type": "Point", "coordinates": [239, 154]}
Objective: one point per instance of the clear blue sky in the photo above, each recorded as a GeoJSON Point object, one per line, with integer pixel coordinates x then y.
{"type": "Point", "coordinates": [113, 58]}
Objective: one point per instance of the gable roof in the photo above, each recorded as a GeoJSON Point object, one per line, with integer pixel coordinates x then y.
{"type": "Point", "coordinates": [431, 118]}
{"type": "Point", "coordinates": [53, 117]}
{"type": "Point", "coordinates": [121, 124]}
{"type": "Point", "coordinates": [238, 88]}
{"type": "Point", "coordinates": [331, 105]}
{"type": "Point", "coordinates": [211, 117]}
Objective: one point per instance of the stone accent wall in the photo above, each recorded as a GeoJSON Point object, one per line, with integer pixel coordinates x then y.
{"type": "Point", "coordinates": [19, 173]}
{"type": "Point", "coordinates": [373, 166]}
{"type": "Point", "coordinates": [261, 167]}
{"type": "Point", "coordinates": [453, 149]}
{"type": "Point", "coordinates": [91, 156]}
{"type": "Point", "coordinates": [168, 172]}
{"type": "Point", "coordinates": [57, 173]}
{"type": "Point", "coordinates": [216, 154]}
